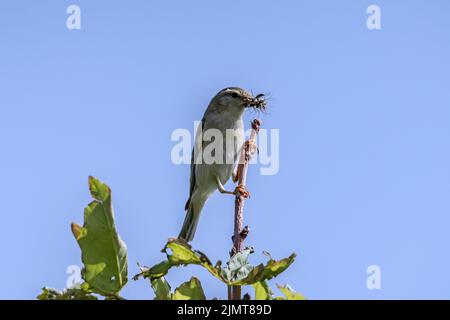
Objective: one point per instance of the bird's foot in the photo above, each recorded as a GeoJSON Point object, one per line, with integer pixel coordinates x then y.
{"type": "Point", "coordinates": [241, 191]}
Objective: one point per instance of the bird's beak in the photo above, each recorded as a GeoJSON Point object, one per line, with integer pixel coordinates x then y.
{"type": "Point", "coordinates": [247, 101]}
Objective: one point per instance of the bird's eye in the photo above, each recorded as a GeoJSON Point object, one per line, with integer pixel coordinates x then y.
{"type": "Point", "coordinates": [234, 95]}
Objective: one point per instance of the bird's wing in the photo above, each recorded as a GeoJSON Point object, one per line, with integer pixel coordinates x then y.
{"type": "Point", "coordinates": [195, 150]}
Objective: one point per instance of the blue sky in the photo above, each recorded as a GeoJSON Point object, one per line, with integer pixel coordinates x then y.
{"type": "Point", "coordinates": [364, 120]}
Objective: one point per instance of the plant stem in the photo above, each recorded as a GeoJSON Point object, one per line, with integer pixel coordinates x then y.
{"type": "Point", "coordinates": [240, 232]}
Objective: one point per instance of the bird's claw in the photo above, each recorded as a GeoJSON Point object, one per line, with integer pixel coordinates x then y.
{"type": "Point", "coordinates": [241, 191]}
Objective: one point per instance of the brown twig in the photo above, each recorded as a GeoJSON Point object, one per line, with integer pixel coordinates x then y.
{"type": "Point", "coordinates": [240, 232]}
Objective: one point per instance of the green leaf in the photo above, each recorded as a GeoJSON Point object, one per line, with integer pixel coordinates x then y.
{"type": "Point", "coordinates": [179, 253]}
{"type": "Point", "coordinates": [189, 290]}
{"type": "Point", "coordinates": [159, 270]}
{"type": "Point", "coordinates": [103, 252]}
{"type": "Point", "coordinates": [266, 272]}
{"type": "Point", "coordinates": [238, 271]}
{"type": "Point", "coordinates": [68, 294]}
{"type": "Point", "coordinates": [262, 290]}
{"type": "Point", "coordinates": [238, 267]}
{"type": "Point", "coordinates": [161, 288]}
{"type": "Point", "coordinates": [289, 293]}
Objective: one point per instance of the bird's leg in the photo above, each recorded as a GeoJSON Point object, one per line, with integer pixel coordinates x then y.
{"type": "Point", "coordinates": [221, 188]}
{"type": "Point", "coordinates": [239, 191]}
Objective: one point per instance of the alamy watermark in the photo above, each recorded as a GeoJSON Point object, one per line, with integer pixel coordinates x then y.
{"type": "Point", "coordinates": [73, 21]}
{"type": "Point", "coordinates": [74, 279]}
{"type": "Point", "coordinates": [373, 21]}
{"type": "Point", "coordinates": [211, 146]}
{"type": "Point", "coordinates": [373, 281]}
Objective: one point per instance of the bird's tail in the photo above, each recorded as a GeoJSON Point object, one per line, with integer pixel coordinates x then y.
{"type": "Point", "coordinates": [193, 209]}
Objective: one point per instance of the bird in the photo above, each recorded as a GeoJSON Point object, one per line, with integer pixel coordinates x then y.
{"type": "Point", "coordinates": [210, 172]}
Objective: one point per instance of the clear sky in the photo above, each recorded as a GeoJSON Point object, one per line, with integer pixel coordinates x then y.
{"type": "Point", "coordinates": [364, 120]}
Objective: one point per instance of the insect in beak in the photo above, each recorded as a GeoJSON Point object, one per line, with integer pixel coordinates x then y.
{"type": "Point", "coordinates": [258, 102]}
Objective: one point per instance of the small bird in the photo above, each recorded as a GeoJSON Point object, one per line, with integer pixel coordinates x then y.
{"type": "Point", "coordinates": [224, 114]}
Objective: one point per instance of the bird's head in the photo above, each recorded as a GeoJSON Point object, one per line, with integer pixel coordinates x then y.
{"type": "Point", "coordinates": [234, 99]}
